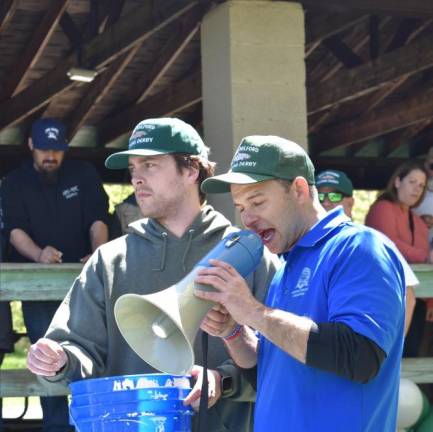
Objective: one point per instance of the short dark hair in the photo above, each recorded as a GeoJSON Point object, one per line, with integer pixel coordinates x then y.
{"type": "Point", "coordinates": [390, 192]}
{"type": "Point", "coordinates": [206, 168]}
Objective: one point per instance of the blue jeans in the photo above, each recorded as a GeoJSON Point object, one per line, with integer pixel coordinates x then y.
{"type": "Point", "coordinates": [37, 318]}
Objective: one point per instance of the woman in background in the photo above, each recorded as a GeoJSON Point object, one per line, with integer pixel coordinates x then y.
{"type": "Point", "coordinates": [392, 214]}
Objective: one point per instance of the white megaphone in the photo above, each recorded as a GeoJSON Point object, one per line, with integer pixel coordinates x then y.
{"type": "Point", "coordinates": [161, 327]}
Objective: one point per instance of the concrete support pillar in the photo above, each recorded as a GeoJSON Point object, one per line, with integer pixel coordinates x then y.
{"type": "Point", "coordinates": [253, 77]}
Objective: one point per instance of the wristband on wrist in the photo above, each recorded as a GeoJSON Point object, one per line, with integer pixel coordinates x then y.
{"type": "Point", "coordinates": [233, 334]}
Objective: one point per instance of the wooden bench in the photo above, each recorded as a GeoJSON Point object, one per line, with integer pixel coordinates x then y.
{"type": "Point", "coordinates": [51, 282]}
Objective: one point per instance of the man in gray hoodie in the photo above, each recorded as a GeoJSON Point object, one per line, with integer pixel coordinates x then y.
{"type": "Point", "coordinates": [167, 161]}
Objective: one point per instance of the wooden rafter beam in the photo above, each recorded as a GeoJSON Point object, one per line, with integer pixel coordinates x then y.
{"type": "Point", "coordinates": [176, 98]}
{"type": "Point", "coordinates": [374, 36]}
{"type": "Point", "coordinates": [7, 8]}
{"type": "Point", "coordinates": [116, 7]}
{"type": "Point", "coordinates": [404, 31]}
{"type": "Point", "coordinates": [164, 60]}
{"type": "Point", "coordinates": [418, 108]}
{"type": "Point", "coordinates": [358, 41]}
{"type": "Point", "coordinates": [396, 139]}
{"type": "Point", "coordinates": [342, 52]}
{"type": "Point", "coordinates": [414, 8]}
{"type": "Point", "coordinates": [134, 28]}
{"type": "Point", "coordinates": [34, 47]}
{"type": "Point", "coordinates": [169, 54]}
{"type": "Point", "coordinates": [422, 142]}
{"type": "Point", "coordinates": [407, 32]}
{"type": "Point", "coordinates": [319, 28]}
{"type": "Point", "coordinates": [99, 90]}
{"type": "Point", "coordinates": [70, 30]}
{"type": "Point", "coordinates": [348, 85]}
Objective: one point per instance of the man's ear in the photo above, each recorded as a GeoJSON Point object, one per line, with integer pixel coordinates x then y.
{"type": "Point", "coordinates": [301, 189]}
{"type": "Point", "coordinates": [193, 171]}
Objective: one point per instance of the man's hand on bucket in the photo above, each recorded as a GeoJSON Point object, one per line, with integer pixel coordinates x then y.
{"type": "Point", "coordinates": [46, 357]}
{"type": "Point", "coordinates": [214, 387]}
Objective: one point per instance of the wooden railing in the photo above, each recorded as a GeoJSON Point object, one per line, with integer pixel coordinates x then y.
{"type": "Point", "coordinates": [33, 282]}
{"type": "Point", "coordinates": [51, 282]}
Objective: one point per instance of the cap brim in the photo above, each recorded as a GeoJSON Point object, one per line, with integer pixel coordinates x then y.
{"type": "Point", "coordinates": [120, 160]}
{"type": "Point", "coordinates": [221, 183]}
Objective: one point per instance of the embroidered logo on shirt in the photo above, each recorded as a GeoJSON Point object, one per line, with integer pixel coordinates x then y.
{"type": "Point", "coordinates": [71, 192]}
{"type": "Point", "coordinates": [303, 283]}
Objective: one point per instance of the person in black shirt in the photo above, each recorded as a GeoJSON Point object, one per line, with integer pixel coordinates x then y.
{"type": "Point", "coordinates": [55, 211]}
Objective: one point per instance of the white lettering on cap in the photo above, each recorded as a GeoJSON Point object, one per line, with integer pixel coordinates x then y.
{"type": "Point", "coordinates": [241, 156]}
{"type": "Point", "coordinates": [144, 140]}
{"type": "Point", "coordinates": [52, 133]}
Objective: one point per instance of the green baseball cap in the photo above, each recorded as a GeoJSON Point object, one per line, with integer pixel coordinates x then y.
{"type": "Point", "coordinates": [263, 157]}
{"type": "Point", "coordinates": [337, 180]}
{"type": "Point", "coordinates": [158, 136]}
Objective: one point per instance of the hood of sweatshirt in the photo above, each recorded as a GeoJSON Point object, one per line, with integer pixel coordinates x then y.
{"type": "Point", "coordinates": [208, 224]}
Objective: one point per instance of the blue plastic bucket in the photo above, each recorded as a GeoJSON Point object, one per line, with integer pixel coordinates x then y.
{"type": "Point", "coordinates": [131, 403]}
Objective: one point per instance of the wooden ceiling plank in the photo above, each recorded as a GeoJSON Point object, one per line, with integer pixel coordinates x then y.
{"type": "Point", "coordinates": [423, 142]}
{"type": "Point", "coordinates": [396, 139]}
{"type": "Point", "coordinates": [320, 28]}
{"type": "Point", "coordinates": [116, 7]}
{"type": "Point", "coordinates": [131, 29]}
{"type": "Point", "coordinates": [325, 69]}
{"type": "Point", "coordinates": [417, 108]}
{"type": "Point", "coordinates": [354, 149]}
{"type": "Point", "coordinates": [414, 8]}
{"type": "Point", "coordinates": [34, 47]}
{"type": "Point", "coordinates": [70, 30]}
{"type": "Point", "coordinates": [7, 9]}
{"type": "Point", "coordinates": [374, 36]}
{"type": "Point", "coordinates": [98, 90]}
{"type": "Point", "coordinates": [342, 52]}
{"type": "Point", "coordinates": [176, 98]}
{"type": "Point", "coordinates": [348, 85]}
{"type": "Point", "coordinates": [169, 54]}
{"type": "Point", "coordinates": [403, 33]}
{"type": "Point", "coordinates": [408, 31]}
{"type": "Point", "coordinates": [100, 51]}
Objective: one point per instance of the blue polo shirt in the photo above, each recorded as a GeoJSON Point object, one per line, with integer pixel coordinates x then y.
{"type": "Point", "coordinates": [337, 272]}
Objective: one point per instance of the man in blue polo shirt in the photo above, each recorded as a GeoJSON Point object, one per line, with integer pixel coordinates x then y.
{"type": "Point", "coordinates": [330, 333]}
{"type": "Point", "coordinates": [55, 211]}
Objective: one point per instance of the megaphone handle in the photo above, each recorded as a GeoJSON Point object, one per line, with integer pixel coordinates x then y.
{"type": "Point", "coordinates": [202, 412]}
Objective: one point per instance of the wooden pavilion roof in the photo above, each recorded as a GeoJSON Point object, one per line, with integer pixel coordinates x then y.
{"type": "Point", "coordinates": [369, 76]}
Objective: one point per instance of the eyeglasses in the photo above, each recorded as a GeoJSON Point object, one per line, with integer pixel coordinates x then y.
{"type": "Point", "coordinates": [333, 197]}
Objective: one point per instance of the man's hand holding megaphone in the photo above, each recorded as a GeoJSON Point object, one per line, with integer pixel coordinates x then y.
{"type": "Point", "coordinates": [232, 291]}
{"type": "Point", "coordinates": [237, 303]}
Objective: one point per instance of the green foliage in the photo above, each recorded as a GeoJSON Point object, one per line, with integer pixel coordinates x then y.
{"type": "Point", "coordinates": [363, 200]}
{"type": "Point", "coordinates": [117, 193]}
{"type": "Point", "coordinates": [17, 359]}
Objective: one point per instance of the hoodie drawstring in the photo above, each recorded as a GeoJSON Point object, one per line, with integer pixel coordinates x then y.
{"type": "Point", "coordinates": [188, 246]}
{"type": "Point", "coordinates": [164, 236]}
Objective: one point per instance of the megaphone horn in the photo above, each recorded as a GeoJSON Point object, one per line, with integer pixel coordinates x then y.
{"type": "Point", "coordinates": [161, 327]}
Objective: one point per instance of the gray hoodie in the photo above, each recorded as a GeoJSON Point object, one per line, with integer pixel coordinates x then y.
{"type": "Point", "coordinates": [148, 260]}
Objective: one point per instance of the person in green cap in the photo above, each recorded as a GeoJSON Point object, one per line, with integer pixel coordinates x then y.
{"type": "Point", "coordinates": [167, 161]}
{"type": "Point", "coordinates": [328, 339]}
{"type": "Point", "coordinates": [335, 188]}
